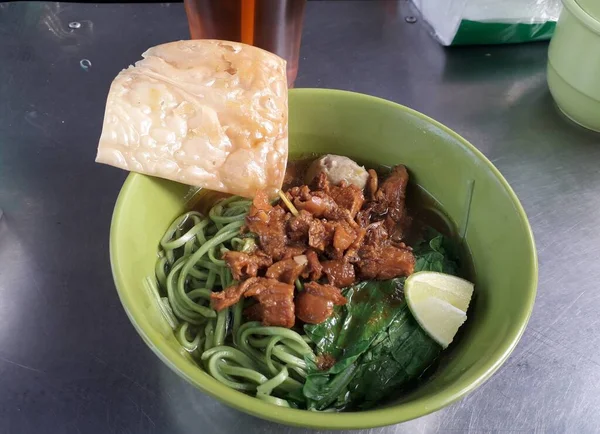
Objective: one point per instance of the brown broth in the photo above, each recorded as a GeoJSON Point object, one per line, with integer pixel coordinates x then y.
{"type": "Point", "coordinates": [426, 211]}
{"type": "Point", "coordinates": [296, 169]}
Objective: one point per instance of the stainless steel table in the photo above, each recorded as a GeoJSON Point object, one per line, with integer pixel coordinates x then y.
{"type": "Point", "coordinates": [70, 362]}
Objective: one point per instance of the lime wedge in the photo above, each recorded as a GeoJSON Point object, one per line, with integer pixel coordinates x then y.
{"type": "Point", "coordinates": [439, 303]}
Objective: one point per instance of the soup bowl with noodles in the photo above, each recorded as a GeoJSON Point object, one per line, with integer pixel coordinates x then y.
{"type": "Point", "coordinates": [457, 180]}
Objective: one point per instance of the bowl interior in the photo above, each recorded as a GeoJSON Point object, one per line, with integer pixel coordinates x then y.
{"type": "Point", "coordinates": [469, 189]}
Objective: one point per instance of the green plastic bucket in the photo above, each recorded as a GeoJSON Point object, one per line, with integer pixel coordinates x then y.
{"type": "Point", "coordinates": [591, 7]}
{"type": "Point", "coordinates": [574, 63]}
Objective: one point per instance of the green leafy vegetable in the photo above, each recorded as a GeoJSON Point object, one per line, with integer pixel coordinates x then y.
{"type": "Point", "coordinates": [376, 354]}
{"type": "Point", "coordinates": [349, 331]}
{"type": "Point", "coordinates": [346, 335]}
{"type": "Point", "coordinates": [394, 362]}
{"type": "Point", "coordinates": [378, 347]}
{"type": "Point", "coordinates": [436, 253]}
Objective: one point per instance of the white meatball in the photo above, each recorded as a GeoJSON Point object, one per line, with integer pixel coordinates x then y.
{"type": "Point", "coordinates": [338, 169]}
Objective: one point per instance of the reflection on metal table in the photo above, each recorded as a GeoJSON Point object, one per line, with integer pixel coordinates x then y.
{"type": "Point", "coordinates": [70, 359]}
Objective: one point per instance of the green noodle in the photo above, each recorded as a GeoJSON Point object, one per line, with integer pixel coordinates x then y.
{"type": "Point", "coordinates": [247, 356]}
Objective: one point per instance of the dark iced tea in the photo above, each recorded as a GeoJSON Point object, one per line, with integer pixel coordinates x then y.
{"type": "Point", "coordinates": [274, 25]}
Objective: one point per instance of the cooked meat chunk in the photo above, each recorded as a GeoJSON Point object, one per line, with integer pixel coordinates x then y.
{"type": "Point", "coordinates": [268, 223]}
{"type": "Point", "coordinates": [393, 189]}
{"type": "Point", "coordinates": [392, 194]}
{"type": "Point", "coordinates": [383, 262]}
{"type": "Point", "coordinates": [301, 193]}
{"type": "Point", "coordinates": [376, 234]}
{"type": "Point", "coordinates": [275, 299]}
{"type": "Point", "coordinates": [339, 272]}
{"type": "Point", "coordinates": [288, 270]}
{"type": "Point", "coordinates": [320, 234]}
{"type": "Point", "coordinates": [315, 304]}
{"type": "Point", "coordinates": [322, 182]}
{"type": "Point", "coordinates": [317, 236]}
{"type": "Point", "coordinates": [343, 237]}
{"type": "Point", "coordinates": [328, 292]}
{"type": "Point", "coordinates": [386, 203]}
{"type": "Point", "coordinates": [275, 305]}
{"type": "Point", "coordinates": [297, 226]}
{"type": "Point", "coordinates": [372, 212]}
{"type": "Point", "coordinates": [260, 203]}
{"type": "Point", "coordinates": [351, 254]}
{"type": "Point", "coordinates": [243, 265]}
{"type": "Point", "coordinates": [314, 269]}
{"type": "Point", "coordinates": [349, 197]}
{"type": "Point", "coordinates": [372, 183]}
{"type": "Point", "coordinates": [292, 251]}
{"type": "Point", "coordinates": [363, 217]}
{"type": "Point", "coordinates": [319, 204]}
{"type": "Point", "coordinates": [231, 295]}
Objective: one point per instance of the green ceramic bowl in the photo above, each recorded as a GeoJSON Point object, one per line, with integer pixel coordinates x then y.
{"type": "Point", "coordinates": [378, 131]}
{"type": "Point", "coordinates": [573, 65]}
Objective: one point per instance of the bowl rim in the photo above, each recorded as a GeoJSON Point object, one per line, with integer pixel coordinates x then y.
{"type": "Point", "coordinates": [402, 412]}
{"type": "Point", "coordinates": [584, 17]}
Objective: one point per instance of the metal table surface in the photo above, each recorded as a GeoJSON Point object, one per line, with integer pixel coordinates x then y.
{"type": "Point", "coordinates": [70, 361]}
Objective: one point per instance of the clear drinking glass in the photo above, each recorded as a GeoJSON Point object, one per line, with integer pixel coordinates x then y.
{"type": "Point", "coordinates": [273, 25]}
